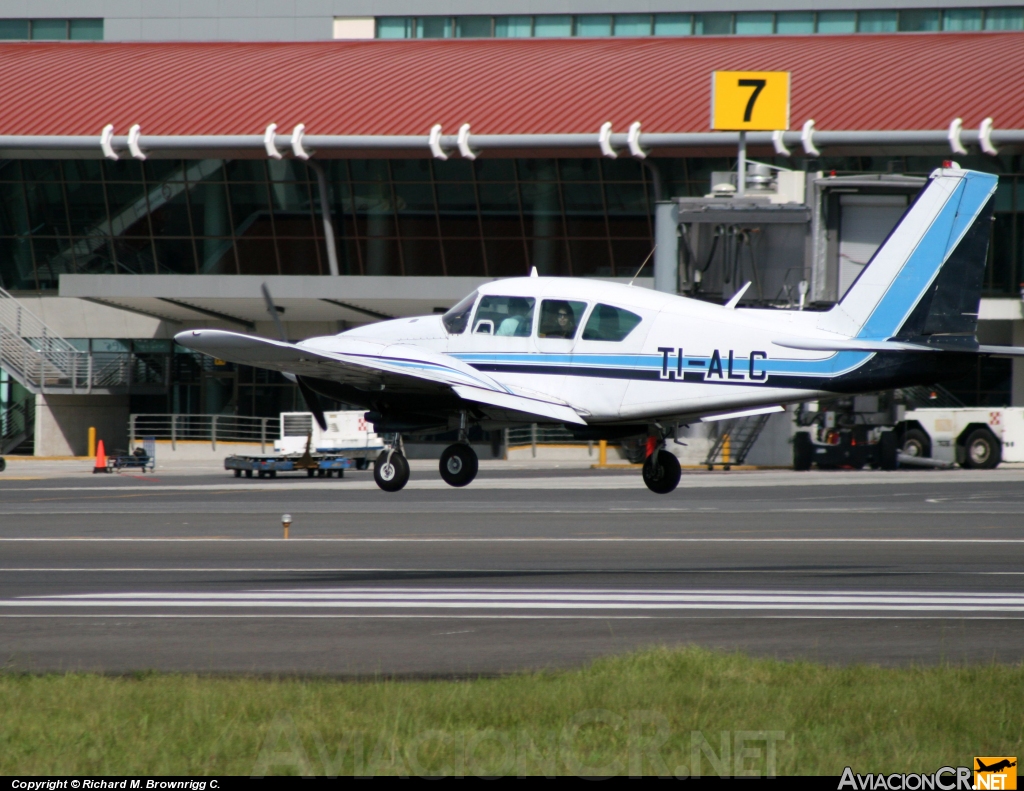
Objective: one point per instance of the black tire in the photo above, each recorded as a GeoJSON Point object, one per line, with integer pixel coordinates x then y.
{"type": "Point", "coordinates": [661, 472]}
{"type": "Point", "coordinates": [262, 474]}
{"type": "Point", "coordinates": [272, 473]}
{"type": "Point", "coordinates": [248, 473]}
{"type": "Point", "coordinates": [391, 476]}
{"type": "Point", "coordinates": [361, 464]}
{"type": "Point", "coordinates": [803, 451]}
{"type": "Point", "coordinates": [238, 473]}
{"type": "Point", "coordinates": [887, 457]}
{"type": "Point", "coordinates": [916, 443]}
{"type": "Point", "coordinates": [982, 451]}
{"type": "Point", "coordinates": [3, 464]}
{"type": "Point", "coordinates": [310, 473]}
{"type": "Point", "coordinates": [459, 465]}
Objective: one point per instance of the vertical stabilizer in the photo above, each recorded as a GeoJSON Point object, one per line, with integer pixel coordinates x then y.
{"type": "Point", "coordinates": [926, 277]}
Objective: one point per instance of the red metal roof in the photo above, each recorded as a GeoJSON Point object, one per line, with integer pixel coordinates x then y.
{"type": "Point", "coordinates": [856, 82]}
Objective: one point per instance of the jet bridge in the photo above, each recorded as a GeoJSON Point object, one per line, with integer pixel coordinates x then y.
{"type": "Point", "coordinates": [800, 238]}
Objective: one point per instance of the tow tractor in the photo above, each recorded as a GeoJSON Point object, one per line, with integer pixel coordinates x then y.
{"type": "Point", "coordinates": [347, 443]}
{"type": "Point", "coordinates": [912, 427]}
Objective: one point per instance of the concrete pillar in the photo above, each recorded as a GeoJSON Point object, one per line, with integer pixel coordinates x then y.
{"type": "Point", "coordinates": [1017, 386]}
{"type": "Point", "coordinates": [666, 253]}
{"type": "Point", "coordinates": [63, 421]}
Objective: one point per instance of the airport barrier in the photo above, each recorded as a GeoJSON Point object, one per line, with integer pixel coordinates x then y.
{"type": "Point", "coordinates": [205, 428]}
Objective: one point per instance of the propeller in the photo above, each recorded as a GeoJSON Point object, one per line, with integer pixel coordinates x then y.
{"type": "Point", "coordinates": [308, 395]}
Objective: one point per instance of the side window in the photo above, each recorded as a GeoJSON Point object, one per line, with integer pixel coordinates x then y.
{"type": "Point", "coordinates": [559, 318]}
{"type": "Point", "coordinates": [456, 319]}
{"type": "Point", "coordinates": [608, 323]}
{"type": "Point", "coordinates": [504, 316]}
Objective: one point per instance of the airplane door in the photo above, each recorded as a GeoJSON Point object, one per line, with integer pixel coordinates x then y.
{"type": "Point", "coordinates": [558, 327]}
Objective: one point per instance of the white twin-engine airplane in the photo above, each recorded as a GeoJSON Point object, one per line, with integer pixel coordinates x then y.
{"type": "Point", "coordinates": [611, 361]}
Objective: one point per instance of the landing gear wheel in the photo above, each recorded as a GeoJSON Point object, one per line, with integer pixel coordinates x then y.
{"type": "Point", "coordinates": [391, 474]}
{"type": "Point", "coordinates": [661, 472]}
{"type": "Point", "coordinates": [459, 465]}
{"type": "Point", "coordinates": [983, 451]}
{"type": "Point", "coordinates": [916, 443]}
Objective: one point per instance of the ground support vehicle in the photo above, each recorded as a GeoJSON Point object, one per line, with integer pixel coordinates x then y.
{"type": "Point", "coordinates": [348, 433]}
{"type": "Point", "coordinates": [973, 437]}
{"type": "Point", "coordinates": [319, 466]}
{"type": "Point", "coordinates": [851, 432]}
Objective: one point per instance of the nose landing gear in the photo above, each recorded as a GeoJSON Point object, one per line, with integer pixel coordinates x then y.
{"type": "Point", "coordinates": [661, 471]}
{"type": "Point", "coordinates": [391, 470]}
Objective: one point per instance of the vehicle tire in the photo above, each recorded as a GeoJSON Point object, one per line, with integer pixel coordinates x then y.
{"type": "Point", "coordinates": [803, 451]}
{"type": "Point", "coordinates": [888, 451]}
{"type": "Point", "coordinates": [982, 451]}
{"type": "Point", "coordinates": [310, 473]}
{"type": "Point", "coordinates": [391, 475]}
{"type": "Point", "coordinates": [459, 464]}
{"type": "Point", "coordinates": [916, 443]}
{"type": "Point", "coordinates": [248, 473]}
{"type": "Point", "coordinates": [261, 474]}
{"type": "Point", "coordinates": [238, 473]}
{"type": "Point", "coordinates": [361, 464]}
{"type": "Point", "coordinates": [272, 473]}
{"type": "Point", "coordinates": [661, 472]}
{"type": "Point", "coordinates": [3, 464]}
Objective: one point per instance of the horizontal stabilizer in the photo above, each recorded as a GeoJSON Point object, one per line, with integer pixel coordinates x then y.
{"type": "Point", "coordinates": [765, 410]}
{"type": "Point", "coordinates": [517, 403]}
{"type": "Point", "coordinates": [1003, 351]}
{"type": "Point", "coordinates": [850, 345]}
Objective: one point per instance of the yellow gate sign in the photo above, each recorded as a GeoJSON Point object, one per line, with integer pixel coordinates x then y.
{"type": "Point", "coordinates": [750, 100]}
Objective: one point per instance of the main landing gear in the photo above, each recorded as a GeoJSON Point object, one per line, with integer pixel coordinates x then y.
{"type": "Point", "coordinates": [459, 464]}
{"type": "Point", "coordinates": [661, 471]}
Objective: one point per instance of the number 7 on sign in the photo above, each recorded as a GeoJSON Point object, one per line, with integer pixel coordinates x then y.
{"type": "Point", "coordinates": [735, 107]}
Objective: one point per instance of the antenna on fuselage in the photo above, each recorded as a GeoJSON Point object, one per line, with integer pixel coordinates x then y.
{"type": "Point", "coordinates": [641, 269]}
{"type": "Point", "coordinates": [533, 272]}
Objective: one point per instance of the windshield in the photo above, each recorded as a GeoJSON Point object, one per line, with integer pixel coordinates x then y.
{"type": "Point", "coordinates": [457, 319]}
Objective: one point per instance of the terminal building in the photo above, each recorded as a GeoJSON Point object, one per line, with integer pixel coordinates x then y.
{"type": "Point", "coordinates": [160, 162]}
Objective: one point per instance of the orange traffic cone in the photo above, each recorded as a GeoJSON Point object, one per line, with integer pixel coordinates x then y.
{"type": "Point", "coordinates": [101, 459]}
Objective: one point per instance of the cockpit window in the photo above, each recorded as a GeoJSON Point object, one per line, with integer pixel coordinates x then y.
{"type": "Point", "coordinates": [608, 323]}
{"type": "Point", "coordinates": [559, 318]}
{"type": "Point", "coordinates": [457, 319]}
{"type": "Point", "coordinates": [505, 316]}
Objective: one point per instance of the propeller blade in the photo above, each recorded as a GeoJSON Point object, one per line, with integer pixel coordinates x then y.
{"type": "Point", "coordinates": [272, 310]}
{"type": "Point", "coordinates": [312, 403]}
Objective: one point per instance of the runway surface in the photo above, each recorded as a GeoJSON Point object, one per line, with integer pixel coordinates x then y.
{"type": "Point", "coordinates": [522, 569]}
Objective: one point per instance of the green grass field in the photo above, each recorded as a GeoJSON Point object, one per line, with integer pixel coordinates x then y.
{"type": "Point", "coordinates": [649, 712]}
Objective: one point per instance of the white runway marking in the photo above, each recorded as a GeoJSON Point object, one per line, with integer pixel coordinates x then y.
{"type": "Point", "coordinates": [700, 480]}
{"type": "Point", "coordinates": [525, 540]}
{"type": "Point", "coordinates": [357, 598]}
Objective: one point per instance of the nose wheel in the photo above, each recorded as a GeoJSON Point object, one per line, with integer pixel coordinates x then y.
{"type": "Point", "coordinates": [661, 472]}
{"type": "Point", "coordinates": [391, 471]}
{"type": "Point", "coordinates": [459, 465]}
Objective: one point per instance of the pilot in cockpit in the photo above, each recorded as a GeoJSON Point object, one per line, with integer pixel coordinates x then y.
{"type": "Point", "coordinates": [557, 320]}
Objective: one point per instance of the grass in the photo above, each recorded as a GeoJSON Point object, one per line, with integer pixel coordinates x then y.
{"type": "Point", "coordinates": [650, 711]}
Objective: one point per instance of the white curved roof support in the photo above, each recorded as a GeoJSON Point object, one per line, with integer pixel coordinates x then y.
{"type": "Point", "coordinates": [435, 142]}
{"type": "Point", "coordinates": [464, 150]}
{"type": "Point", "coordinates": [604, 140]}
{"type": "Point", "coordinates": [105, 137]}
{"type": "Point", "coordinates": [985, 138]}
{"type": "Point", "coordinates": [956, 126]}
{"type": "Point", "coordinates": [269, 137]}
{"type": "Point", "coordinates": [780, 146]}
{"type": "Point", "coordinates": [133, 142]}
{"type": "Point", "coordinates": [633, 139]}
{"type": "Point", "coordinates": [807, 138]}
{"type": "Point", "coordinates": [297, 134]}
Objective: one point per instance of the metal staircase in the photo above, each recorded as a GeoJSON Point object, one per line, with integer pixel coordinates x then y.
{"type": "Point", "coordinates": [735, 439]}
{"type": "Point", "coordinates": [40, 360]}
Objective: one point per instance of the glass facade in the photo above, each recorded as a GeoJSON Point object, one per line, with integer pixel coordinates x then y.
{"type": "Point", "coordinates": [51, 29]}
{"type": "Point", "coordinates": [487, 218]}
{"type": "Point", "coordinates": [705, 24]}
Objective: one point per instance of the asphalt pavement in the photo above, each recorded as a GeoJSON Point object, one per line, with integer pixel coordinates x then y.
{"type": "Point", "coordinates": [531, 566]}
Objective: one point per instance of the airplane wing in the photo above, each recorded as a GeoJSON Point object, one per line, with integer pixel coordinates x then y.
{"type": "Point", "coordinates": [372, 365]}
{"type": "Point", "coordinates": [865, 345]}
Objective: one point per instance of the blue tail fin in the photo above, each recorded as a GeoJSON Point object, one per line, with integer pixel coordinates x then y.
{"type": "Point", "coordinates": [925, 279]}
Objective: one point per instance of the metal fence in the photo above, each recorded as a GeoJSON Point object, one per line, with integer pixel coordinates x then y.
{"type": "Point", "coordinates": [205, 428]}
{"type": "Point", "coordinates": [534, 435]}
